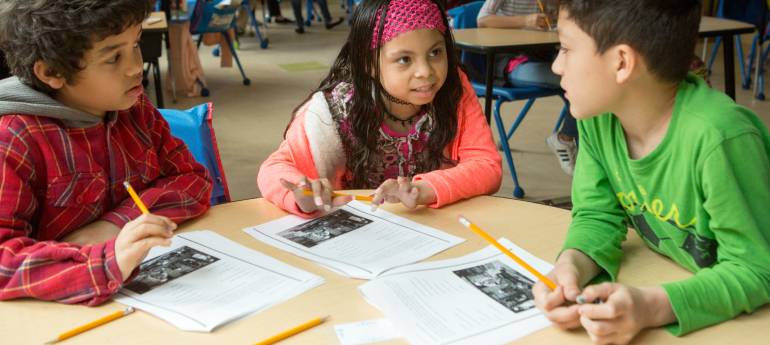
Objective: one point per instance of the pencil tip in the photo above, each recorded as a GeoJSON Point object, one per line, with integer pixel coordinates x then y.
{"type": "Point", "coordinates": [464, 221]}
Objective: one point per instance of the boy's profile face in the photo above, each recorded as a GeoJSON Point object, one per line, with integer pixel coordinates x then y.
{"type": "Point", "coordinates": [588, 78]}
{"type": "Point", "coordinates": [112, 77]}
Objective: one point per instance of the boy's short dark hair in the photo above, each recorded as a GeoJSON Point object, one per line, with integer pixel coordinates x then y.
{"type": "Point", "coordinates": [664, 32]}
{"type": "Point", "coordinates": [59, 32]}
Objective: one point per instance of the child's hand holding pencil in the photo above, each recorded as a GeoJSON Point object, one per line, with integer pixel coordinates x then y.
{"type": "Point", "coordinates": [140, 235]}
{"type": "Point", "coordinates": [572, 270]}
{"type": "Point", "coordinates": [316, 195]}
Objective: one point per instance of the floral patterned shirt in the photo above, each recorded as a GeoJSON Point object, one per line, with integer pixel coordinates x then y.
{"type": "Point", "coordinates": [398, 154]}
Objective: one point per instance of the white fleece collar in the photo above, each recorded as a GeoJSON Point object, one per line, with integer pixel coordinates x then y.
{"type": "Point", "coordinates": [323, 138]}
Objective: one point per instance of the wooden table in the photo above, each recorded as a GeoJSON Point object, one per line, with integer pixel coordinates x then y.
{"type": "Point", "coordinates": [491, 41]}
{"type": "Point", "coordinates": [537, 228]}
{"type": "Point", "coordinates": [152, 49]}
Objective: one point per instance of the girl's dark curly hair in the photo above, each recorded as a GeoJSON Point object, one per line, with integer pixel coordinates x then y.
{"type": "Point", "coordinates": [59, 33]}
{"type": "Point", "coordinates": [359, 65]}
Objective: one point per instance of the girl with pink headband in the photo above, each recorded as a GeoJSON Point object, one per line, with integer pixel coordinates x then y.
{"type": "Point", "coordinates": [395, 114]}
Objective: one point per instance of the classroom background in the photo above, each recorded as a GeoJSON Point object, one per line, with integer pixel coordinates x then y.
{"type": "Point", "coordinates": [249, 120]}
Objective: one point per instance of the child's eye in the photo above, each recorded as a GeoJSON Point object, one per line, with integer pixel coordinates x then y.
{"type": "Point", "coordinates": [114, 59]}
{"type": "Point", "coordinates": [561, 49]}
{"type": "Point", "coordinates": [403, 60]}
{"type": "Point", "coordinates": [435, 52]}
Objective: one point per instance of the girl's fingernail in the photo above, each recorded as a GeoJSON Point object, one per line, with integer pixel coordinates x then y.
{"type": "Point", "coordinates": [327, 208]}
{"type": "Point", "coordinates": [318, 201]}
{"type": "Point", "coordinates": [580, 299]}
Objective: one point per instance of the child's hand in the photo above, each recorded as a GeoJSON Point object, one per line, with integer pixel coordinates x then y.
{"type": "Point", "coordinates": [96, 232]}
{"type": "Point", "coordinates": [535, 21]}
{"type": "Point", "coordinates": [393, 191]}
{"type": "Point", "coordinates": [624, 312]}
{"type": "Point", "coordinates": [558, 305]}
{"type": "Point", "coordinates": [322, 198]}
{"type": "Point", "coordinates": [138, 237]}
{"type": "Point", "coordinates": [404, 191]}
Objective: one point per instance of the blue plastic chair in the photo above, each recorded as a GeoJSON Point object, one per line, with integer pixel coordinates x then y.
{"type": "Point", "coordinates": [263, 40]}
{"type": "Point", "coordinates": [207, 18]}
{"type": "Point", "coordinates": [465, 17]}
{"type": "Point", "coordinates": [754, 12]}
{"type": "Point", "coordinates": [194, 127]}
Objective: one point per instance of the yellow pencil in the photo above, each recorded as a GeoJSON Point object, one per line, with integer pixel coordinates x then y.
{"type": "Point", "coordinates": [335, 194]}
{"type": "Point", "coordinates": [292, 331]}
{"type": "Point", "coordinates": [542, 9]}
{"type": "Point", "coordinates": [133, 195]}
{"type": "Point", "coordinates": [93, 324]}
{"type": "Point", "coordinates": [484, 235]}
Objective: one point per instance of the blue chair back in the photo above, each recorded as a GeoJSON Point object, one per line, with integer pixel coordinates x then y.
{"type": "Point", "coordinates": [206, 17]}
{"type": "Point", "coordinates": [750, 11]}
{"type": "Point", "coordinates": [194, 127]}
{"type": "Point", "coordinates": [464, 17]}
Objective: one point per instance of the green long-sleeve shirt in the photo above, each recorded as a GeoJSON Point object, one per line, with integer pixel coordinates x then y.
{"type": "Point", "coordinates": [700, 198]}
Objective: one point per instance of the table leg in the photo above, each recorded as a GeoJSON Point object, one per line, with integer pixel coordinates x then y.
{"type": "Point", "coordinates": [158, 85]}
{"type": "Point", "coordinates": [169, 68]}
{"type": "Point", "coordinates": [488, 92]}
{"type": "Point", "coordinates": [728, 44]}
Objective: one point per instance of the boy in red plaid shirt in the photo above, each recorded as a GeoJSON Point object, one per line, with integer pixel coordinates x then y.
{"type": "Point", "coordinates": [74, 124]}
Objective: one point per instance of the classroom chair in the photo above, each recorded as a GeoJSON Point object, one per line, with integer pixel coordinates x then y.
{"type": "Point", "coordinates": [194, 127]}
{"type": "Point", "coordinates": [263, 40]}
{"type": "Point", "coordinates": [207, 18]}
{"type": "Point", "coordinates": [465, 17]}
{"type": "Point", "coordinates": [754, 12]}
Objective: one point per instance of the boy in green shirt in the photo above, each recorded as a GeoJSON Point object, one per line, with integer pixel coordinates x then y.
{"type": "Point", "coordinates": [681, 163]}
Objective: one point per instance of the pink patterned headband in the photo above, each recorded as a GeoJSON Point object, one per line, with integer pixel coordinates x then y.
{"type": "Point", "coordinates": [405, 16]}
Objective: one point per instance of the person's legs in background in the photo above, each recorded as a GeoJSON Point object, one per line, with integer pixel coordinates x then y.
{"type": "Point", "coordinates": [274, 11]}
{"type": "Point", "coordinates": [296, 7]}
{"type": "Point", "coordinates": [326, 15]}
{"type": "Point", "coordinates": [564, 143]}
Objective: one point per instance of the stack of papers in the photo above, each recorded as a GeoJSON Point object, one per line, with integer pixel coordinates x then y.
{"type": "Point", "coordinates": [355, 242]}
{"type": "Point", "coordinates": [480, 298]}
{"type": "Point", "coordinates": [204, 280]}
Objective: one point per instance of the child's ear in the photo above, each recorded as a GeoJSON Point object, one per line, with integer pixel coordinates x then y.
{"type": "Point", "coordinates": [626, 61]}
{"type": "Point", "coordinates": [44, 73]}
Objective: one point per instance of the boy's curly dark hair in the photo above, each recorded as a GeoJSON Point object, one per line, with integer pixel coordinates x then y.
{"type": "Point", "coordinates": [59, 32]}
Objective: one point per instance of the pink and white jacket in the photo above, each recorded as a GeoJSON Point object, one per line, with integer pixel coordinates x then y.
{"type": "Point", "coordinates": [312, 148]}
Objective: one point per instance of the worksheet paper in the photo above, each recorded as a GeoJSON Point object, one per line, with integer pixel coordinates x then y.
{"type": "Point", "coordinates": [354, 241]}
{"type": "Point", "coordinates": [480, 298]}
{"type": "Point", "coordinates": [204, 280]}
{"type": "Point", "coordinates": [366, 332]}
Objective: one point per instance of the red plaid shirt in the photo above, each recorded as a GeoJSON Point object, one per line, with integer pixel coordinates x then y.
{"type": "Point", "coordinates": [56, 179]}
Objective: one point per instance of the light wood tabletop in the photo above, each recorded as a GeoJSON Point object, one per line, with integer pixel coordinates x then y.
{"type": "Point", "coordinates": [485, 38]}
{"type": "Point", "coordinates": [713, 26]}
{"type": "Point", "coordinates": [537, 228]}
{"type": "Point", "coordinates": [155, 22]}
